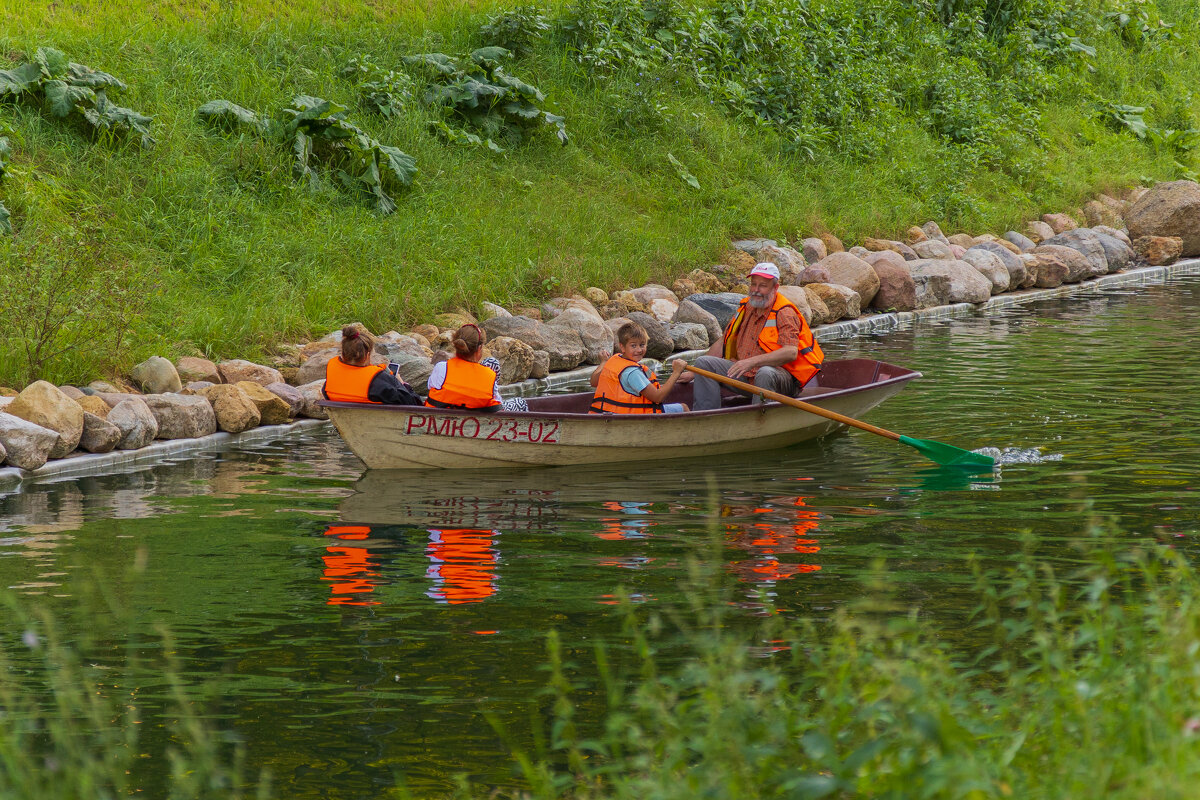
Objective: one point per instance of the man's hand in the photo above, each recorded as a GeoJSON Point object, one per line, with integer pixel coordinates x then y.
{"type": "Point", "coordinates": [739, 368]}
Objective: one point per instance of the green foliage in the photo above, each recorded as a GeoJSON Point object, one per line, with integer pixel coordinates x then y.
{"type": "Point", "coordinates": [477, 89]}
{"type": "Point", "coordinates": [382, 91]}
{"type": "Point", "coordinates": [67, 89]}
{"type": "Point", "coordinates": [5, 152]}
{"type": "Point", "coordinates": [458, 136]}
{"type": "Point", "coordinates": [316, 131]}
{"type": "Point", "coordinates": [1140, 25]}
{"type": "Point", "coordinates": [515, 29]}
{"type": "Point", "coordinates": [683, 173]}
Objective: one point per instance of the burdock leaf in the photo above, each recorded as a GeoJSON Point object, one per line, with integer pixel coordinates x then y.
{"type": "Point", "coordinates": [82, 75]}
{"type": "Point", "coordinates": [398, 163]}
{"type": "Point", "coordinates": [5, 225]}
{"type": "Point", "coordinates": [302, 149]}
{"type": "Point", "coordinates": [62, 98]}
{"type": "Point", "coordinates": [439, 62]}
{"type": "Point", "coordinates": [53, 63]}
{"type": "Point", "coordinates": [230, 116]}
{"type": "Point", "coordinates": [20, 79]}
{"type": "Point", "coordinates": [683, 172]}
{"type": "Point", "coordinates": [490, 56]}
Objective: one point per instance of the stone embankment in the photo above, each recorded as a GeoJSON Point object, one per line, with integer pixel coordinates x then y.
{"type": "Point", "coordinates": [195, 397]}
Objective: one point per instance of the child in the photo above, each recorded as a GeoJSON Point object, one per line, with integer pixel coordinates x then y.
{"type": "Point", "coordinates": [624, 386]}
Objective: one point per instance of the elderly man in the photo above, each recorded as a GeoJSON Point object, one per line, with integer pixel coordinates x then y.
{"type": "Point", "coordinates": [767, 342]}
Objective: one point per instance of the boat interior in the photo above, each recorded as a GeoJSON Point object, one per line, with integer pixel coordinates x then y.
{"type": "Point", "coordinates": [837, 376]}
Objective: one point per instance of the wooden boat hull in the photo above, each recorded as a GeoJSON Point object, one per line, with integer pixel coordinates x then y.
{"type": "Point", "coordinates": [557, 430]}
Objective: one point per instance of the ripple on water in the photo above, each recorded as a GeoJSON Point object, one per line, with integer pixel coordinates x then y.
{"type": "Point", "coordinates": [1018, 455]}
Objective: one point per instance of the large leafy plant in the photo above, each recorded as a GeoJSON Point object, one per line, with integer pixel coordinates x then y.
{"type": "Point", "coordinates": [477, 89]}
{"type": "Point", "coordinates": [384, 91]}
{"type": "Point", "coordinates": [318, 133]}
{"type": "Point", "coordinates": [67, 89]}
{"type": "Point", "coordinates": [5, 150]}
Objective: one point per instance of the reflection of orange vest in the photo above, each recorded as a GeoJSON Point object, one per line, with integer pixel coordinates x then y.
{"type": "Point", "coordinates": [463, 564]}
{"type": "Point", "coordinates": [349, 384]}
{"type": "Point", "coordinates": [611, 397]}
{"type": "Point", "coordinates": [808, 361]}
{"type": "Point", "coordinates": [467, 385]}
{"type": "Point", "coordinates": [349, 569]}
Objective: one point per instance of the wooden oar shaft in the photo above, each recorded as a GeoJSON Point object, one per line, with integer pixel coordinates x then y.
{"type": "Point", "coordinates": [791, 401]}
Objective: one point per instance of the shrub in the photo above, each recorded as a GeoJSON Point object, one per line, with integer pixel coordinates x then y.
{"type": "Point", "coordinates": [515, 29]}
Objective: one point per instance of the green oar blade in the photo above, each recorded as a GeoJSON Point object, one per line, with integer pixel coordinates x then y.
{"type": "Point", "coordinates": [949, 455]}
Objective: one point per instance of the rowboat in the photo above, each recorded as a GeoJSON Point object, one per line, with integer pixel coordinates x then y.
{"type": "Point", "coordinates": [558, 430]}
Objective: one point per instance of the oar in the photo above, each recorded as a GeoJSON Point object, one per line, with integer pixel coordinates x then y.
{"type": "Point", "coordinates": [938, 452]}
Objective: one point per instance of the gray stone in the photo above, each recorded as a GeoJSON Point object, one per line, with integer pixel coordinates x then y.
{"type": "Point", "coordinates": [564, 345]}
{"type": "Point", "coordinates": [1087, 243]}
{"type": "Point", "coordinates": [313, 394]}
{"type": "Point", "coordinates": [415, 371]}
{"type": "Point", "coordinates": [540, 368]}
{"type": "Point", "coordinates": [933, 248]}
{"type": "Point", "coordinates": [191, 368]}
{"type": "Point", "coordinates": [991, 267]}
{"type": "Point", "coordinates": [752, 246]}
{"type": "Point", "coordinates": [1023, 242]}
{"type": "Point", "coordinates": [1116, 252]}
{"type": "Point", "coordinates": [722, 305]}
{"type": "Point", "coordinates": [814, 274]}
{"type": "Point", "coordinates": [522, 328]}
{"type": "Point", "coordinates": [137, 423]}
{"type": "Point", "coordinates": [966, 284]}
{"type": "Point", "coordinates": [1017, 275]}
{"type": "Point", "coordinates": [397, 345]}
{"type": "Point", "coordinates": [1168, 209]}
{"type": "Point", "coordinates": [661, 343]}
{"type": "Point", "coordinates": [489, 310]}
{"type": "Point", "coordinates": [1116, 233]}
{"type": "Point", "coordinates": [515, 357]}
{"type": "Point", "coordinates": [44, 404]}
{"type": "Point", "coordinates": [849, 270]}
{"type": "Point", "coordinates": [690, 312]}
{"type": "Point", "coordinates": [26, 444]}
{"type": "Point", "coordinates": [181, 416]}
{"type": "Point", "coordinates": [99, 435]}
{"type": "Point", "coordinates": [688, 335]}
{"type": "Point", "coordinates": [288, 394]}
{"type": "Point", "coordinates": [196, 387]}
{"type": "Point", "coordinates": [593, 333]}
{"type": "Point", "coordinates": [1078, 267]}
{"type": "Point", "coordinates": [790, 262]}
{"type": "Point", "coordinates": [1037, 231]}
{"type": "Point", "coordinates": [817, 308]}
{"type": "Point", "coordinates": [813, 250]}
{"type": "Point", "coordinates": [156, 375]}
{"type": "Point", "coordinates": [934, 233]}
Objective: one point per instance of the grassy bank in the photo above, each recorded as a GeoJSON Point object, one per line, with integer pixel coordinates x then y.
{"type": "Point", "coordinates": [852, 116]}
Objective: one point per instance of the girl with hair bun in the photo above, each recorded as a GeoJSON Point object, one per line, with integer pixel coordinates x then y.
{"type": "Point", "coordinates": [352, 378]}
{"type": "Point", "coordinates": [463, 382]}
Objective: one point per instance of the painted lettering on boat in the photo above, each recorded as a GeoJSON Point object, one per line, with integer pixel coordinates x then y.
{"type": "Point", "coordinates": [487, 428]}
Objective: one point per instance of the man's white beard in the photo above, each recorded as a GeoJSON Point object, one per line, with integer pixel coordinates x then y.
{"type": "Point", "coordinates": [757, 302]}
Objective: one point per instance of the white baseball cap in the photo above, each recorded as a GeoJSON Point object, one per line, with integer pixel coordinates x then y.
{"type": "Point", "coordinates": [766, 269]}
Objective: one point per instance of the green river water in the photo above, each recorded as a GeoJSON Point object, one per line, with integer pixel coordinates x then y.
{"type": "Point", "coordinates": [346, 626]}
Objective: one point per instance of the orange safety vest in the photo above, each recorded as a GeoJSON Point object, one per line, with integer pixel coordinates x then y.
{"type": "Point", "coordinates": [808, 361]}
{"type": "Point", "coordinates": [346, 383]}
{"type": "Point", "coordinates": [467, 385]}
{"type": "Point", "coordinates": [611, 397]}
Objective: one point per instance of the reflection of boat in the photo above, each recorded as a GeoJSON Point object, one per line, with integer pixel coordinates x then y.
{"type": "Point", "coordinates": [557, 429]}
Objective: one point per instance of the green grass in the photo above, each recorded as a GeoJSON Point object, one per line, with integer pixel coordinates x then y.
{"type": "Point", "coordinates": [235, 256]}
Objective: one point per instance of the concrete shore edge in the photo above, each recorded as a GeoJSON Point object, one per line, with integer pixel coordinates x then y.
{"type": "Point", "coordinates": [12, 478]}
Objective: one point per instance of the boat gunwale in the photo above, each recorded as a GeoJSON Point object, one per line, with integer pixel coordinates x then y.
{"type": "Point", "coordinates": [905, 375]}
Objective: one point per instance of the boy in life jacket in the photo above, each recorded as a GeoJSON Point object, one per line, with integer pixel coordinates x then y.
{"type": "Point", "coordinates": [352, 378]}
{"type": "Point", "coordinates": [625, 386]}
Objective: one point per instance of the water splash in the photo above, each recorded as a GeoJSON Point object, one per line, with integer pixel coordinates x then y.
{"type": "Point", "coordinates": [1018, 455]}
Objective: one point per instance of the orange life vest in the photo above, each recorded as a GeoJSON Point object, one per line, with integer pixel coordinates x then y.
{"type": "Point", "coordinates": [467, 385]}
{"type": "Point", "coordinates": [611, 397]}
{"type": "Point", "coordinates": [346, 383]}
{"type": "Point", "coordinates": [808, 361]}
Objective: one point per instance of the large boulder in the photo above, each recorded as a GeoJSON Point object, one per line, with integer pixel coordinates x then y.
{"type": "Point", "coordinates": [44, 404]}
{"type": "Point", "coordinates": [661, 343]}
{"type": "Point", "coordinates": [1023, 242]}
{"type": "Point", "coordinates": [592, 332]}
{"type": "Point", "coordinates": [752, 246]}
{"type": "Point", "coordinates": [156, 375]}
{"type": "Point", "coordinates": [704, 281]}
{"type": "Point", "coordinates": [933, 248]}
{"type": "Point", "coordinates": [899, 248]}
{"type": "Point", "coordinates": [1048, 270]}
{"type": "Point", "coordinates": [1168, 209]}
{"type": "Point", "coordinates": [1060, 223]}
{"type": "Point", "coordinates": [832, 243]}
{"type": "Point", "coordinates": [1116, 233]}
{"type": "Point", "coordinates": [1078, 267]}
{"type": "Point", "coordinates": [914, 235]}
{"type": "Point", "coordinates": [963, 240]}
{"type": "Point", "coordinates": [181, 416]}
{"type": "Point", "coordinates": [240, 370]}
{"type": "Point", "coordinates": [519, 327]}
{"type": "Point", "coordinates": [191, 368]}
{"type": "Point", "coordinates": [991, 267]}
{"type": "Point", "coordinates": [288, 394]}
{"type": "Point", "coordinates": [789, 261]}
{"type": "Point", "coordinates": [26, 444]}
{"type": "Point", "coordinates": [137, 423]}
{"type": "Point", "coordinates": [722, 306]}
{"type": "Point", "coordinates": [233, 409]}
{"type": "Point", "coordinates": [688, 335]}
{"type": "Point", "coordinates": [515, 357]}
{"type": "Point", "coordinates": [541, 365]}
{"type": "Point", "coordinates": [842, 301]}
{"type": "Point", "coordinates": [897, 290]}
{"type": "Point", "coordinates": [847, 270]}
{"type": "Point", "coordinates": [798, 296]}
{"type": "Point", "coordinates": [1158, 250]}
{"type": "Point", "coordinates": [415, 370]}
{"type": "Point", "coordinates": [1098, 213]}
{"type": "Point", "coordinates": [1037, 230]}
{"type": "Point", "coordinates": [93, 405]}
{"type": "Point", "coordinates": [1087, 243]}
{"type": "Point", "coordinates": [391, 344]}
{"type": "Point", "coordinates": [564, 345]}
{"type": "Point", "coordinates": [99, 435]}
{"type": "Point", "coordinates": [813, 274]}
{"type": "Point", "coordinates": [967, 285]}
{"type": "Point", "coordinates": [313, 394]}
{"type": "Point", "coordinates": [556, 305]}
{"type": "Point", "coordinates": [1017, 274]}
{"type": "Point", "coordinates": [488, 310]}
{"type": "Point", "coordinates": [813, 250]}
{"type": "Point", "coordinates": [272, 409]}
{"type": "Point", "coordinates": [933, 233]}
{"type": "Point", "coordinates": [690, 312]}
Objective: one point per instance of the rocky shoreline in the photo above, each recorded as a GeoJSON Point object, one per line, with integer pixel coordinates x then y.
{"type": "Point", "coordinates": [193, 398]}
